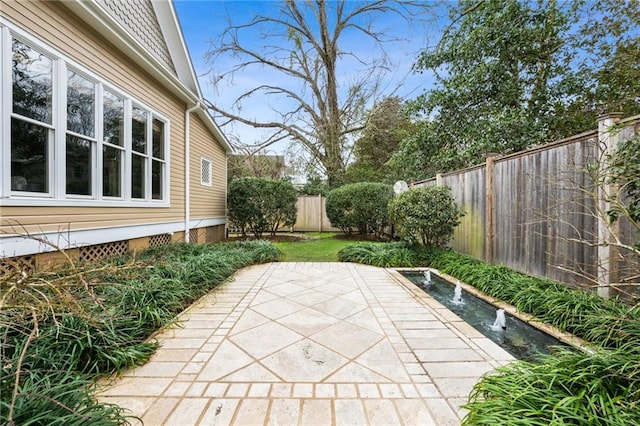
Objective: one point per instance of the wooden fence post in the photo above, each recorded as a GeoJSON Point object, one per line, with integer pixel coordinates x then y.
{"type": "Point", "coordinates": [489, 209]}
{"type": "Point", "coordinates": [320, 212]}
{"type": "Point", "coordinates": [439, 179]}
{"type": "Point", "coordinates": [607, 142]}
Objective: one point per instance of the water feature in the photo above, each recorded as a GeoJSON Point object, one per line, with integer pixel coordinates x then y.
{"type": "Point", "coordinates": [501, 321]}
{"type": "Point", "coordinates": [427, 277]}
{"type": "Point", "coordinates": [515, 336]}
{"type": "Point", "coordinates": [457, 294]}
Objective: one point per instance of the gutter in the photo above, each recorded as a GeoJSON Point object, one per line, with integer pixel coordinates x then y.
{"type": "Point", "coordinates": [187, 158]}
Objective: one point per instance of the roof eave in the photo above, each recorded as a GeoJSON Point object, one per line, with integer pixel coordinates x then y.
{"type": "Point", "coordinates": [100, 20]}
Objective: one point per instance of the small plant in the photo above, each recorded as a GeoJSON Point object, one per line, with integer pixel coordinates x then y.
{"type": "Point", "coordinates": [426, 215]}
{"type": "Point", "coordinates": [361, 207]}
{"type": "Point", "coordinates": [261, 205]}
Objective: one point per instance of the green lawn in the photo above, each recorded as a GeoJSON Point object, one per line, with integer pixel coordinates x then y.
{"type": "Point", "coordinates": [322, 247]}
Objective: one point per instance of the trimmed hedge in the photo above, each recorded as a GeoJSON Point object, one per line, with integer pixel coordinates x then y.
{"type": "Point", "coordinates": [426, 215]}
{"type": "Point", "coordinates": [361, 207]}
{"type": "Point", "coordinates": [261, 205]}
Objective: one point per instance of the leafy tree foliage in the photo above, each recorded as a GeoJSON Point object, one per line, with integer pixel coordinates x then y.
{"type": "Point", "coordinates": [625, 171]}
{"type": "Point", "coordinates": [261, 205]}
{"type": "Point", "coordinates": [511, 74]}
{"type": "Point", "coordinates": [315, 185]}
{"type": "Point", "coordinates": [609, 42]}
{"type": "Point", "coordinates": [427, 215]}
{"type": "Point", "coordinates": [387, 125]}
{"type": "Point", "coordinates": [497, 67]}
{"type": "Point", "coordinates": [360, 206]}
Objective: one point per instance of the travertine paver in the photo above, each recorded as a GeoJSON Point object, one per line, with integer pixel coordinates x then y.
{"type": "Point", "coordinates": [310, 343]}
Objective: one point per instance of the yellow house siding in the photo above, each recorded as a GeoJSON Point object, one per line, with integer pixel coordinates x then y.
{"type": "Point", "coordinates": [206, 202]}
{"type": "Point", "coordinates": [54, 25]}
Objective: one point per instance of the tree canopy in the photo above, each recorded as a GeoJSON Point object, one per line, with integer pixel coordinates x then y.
{"type": "Point", "coordinates": [511, 74]}
{"type": "Point", "coordinates": [387, 125]}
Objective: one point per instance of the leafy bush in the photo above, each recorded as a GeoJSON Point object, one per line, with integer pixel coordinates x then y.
{"type": "Point", "coordinates": [360, 206]}
{"type": "Point", "coordinates": [260, 205]}
{"type": "Point", "coordinates": [58, 332]}
{"type": "Point", "coordinates": [427, 215]}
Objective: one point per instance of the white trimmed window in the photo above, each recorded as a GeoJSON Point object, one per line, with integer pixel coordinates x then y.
{"type": "Point", "coordinates": [72, 138]}
{"type": "Point", "coordinates": [205, 172]}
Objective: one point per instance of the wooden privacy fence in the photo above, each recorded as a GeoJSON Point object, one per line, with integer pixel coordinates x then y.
{"type": "Point", "coordinates": [312, 216]}
{"type": "Point", "coordinates": [539, 211]}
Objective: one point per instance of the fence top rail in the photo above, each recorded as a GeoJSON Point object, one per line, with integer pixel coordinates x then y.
{"type": "Point", "coordinates": [584, 136]}
{"type": "Point", "coordinates": [455, 172]}
{"type": "Point", "coordinates": [500, 158]}
{"type": "Point", "coordinates": [630, 120]}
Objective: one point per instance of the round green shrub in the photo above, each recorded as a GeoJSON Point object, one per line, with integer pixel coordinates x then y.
{"type": "Point", "coordinates": [261, 205]}
{"type": "Point", "coordinates": [361, 207]}
{"type": "Point", "coordinates": [426, 215]}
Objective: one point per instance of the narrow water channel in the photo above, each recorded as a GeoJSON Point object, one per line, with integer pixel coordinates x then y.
{"type": "Point", "coordinates": [519, 339]}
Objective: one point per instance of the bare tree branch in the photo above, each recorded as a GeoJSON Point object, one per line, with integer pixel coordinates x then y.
{"type": "Point", "coordinates": [303, 43]}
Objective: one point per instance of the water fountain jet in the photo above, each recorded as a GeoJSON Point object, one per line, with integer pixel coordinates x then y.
{"type": "Point", "coordinates": [457, 295]}
{"type": "Point", "coordinates": [500, 322]}
{"type": "Point", "coordinates": [427, 277]}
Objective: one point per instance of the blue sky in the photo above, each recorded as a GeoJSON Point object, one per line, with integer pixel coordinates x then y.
{"type": "Point", "coordinates": [203, 20]}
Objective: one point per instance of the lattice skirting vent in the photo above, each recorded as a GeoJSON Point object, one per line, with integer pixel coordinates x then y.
{"type": "Point", "coordinates": [16, 265]}
{"type": "Point", "coordinates": [159, 240]}
{"type": "Point", "coordinates": [193, 235]}
{"type": "Point", "coordinates": [101, 251]}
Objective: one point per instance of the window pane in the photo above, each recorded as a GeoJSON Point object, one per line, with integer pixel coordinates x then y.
{"type": "Point", "coordinates": [111, 172]}
{"type": "Point", "coordinates": [139, 130]}
{"type": "Point", "coordinates": [158, 139]}
{"type": "Point", "coordinates": [137, 176]}
{"type": "Point", "coordinates": [157, 173]}
{"type": "Point", "coordinates": [81, 104]}
{"type": "Point", "coordinates": [113, 119]}
{"type": "Point", "coordinates": [32, 77]}
{"type": "Point", "coordinates": [29, 157]}
{"type": "Point", "coordinates": [78, 166]}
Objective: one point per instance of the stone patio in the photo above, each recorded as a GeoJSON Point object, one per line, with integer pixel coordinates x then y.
{"type": "Point", "coordinates": [310, 344]}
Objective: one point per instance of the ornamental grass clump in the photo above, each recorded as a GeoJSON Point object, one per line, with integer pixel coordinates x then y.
{"type": "Point", "coordinates": [59, 331]}
{"type": "Point", "coordinates": [568, 387]}
{"type": "Point", "coordinates": [382, 255]}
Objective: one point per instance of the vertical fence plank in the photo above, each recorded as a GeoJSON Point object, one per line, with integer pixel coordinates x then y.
{"type": "Point", "coordinates": [540, 213]}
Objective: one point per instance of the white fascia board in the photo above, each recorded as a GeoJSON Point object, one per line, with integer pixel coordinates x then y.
{"type": "Point", "coordinates": [173, 37]}
{"type": "Point", "coordinates": [21, 245]}
{"type": "Point", "coordinates": [100, 20]}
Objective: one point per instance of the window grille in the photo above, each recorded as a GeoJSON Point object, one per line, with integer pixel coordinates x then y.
{"type": "Point", "coordinates": [205, 171]}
